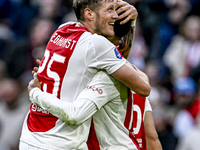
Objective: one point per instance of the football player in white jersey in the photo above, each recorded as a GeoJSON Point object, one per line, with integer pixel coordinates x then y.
{"type": "Point", "coordinates": [120, 120]}
{"type": "Point", "coordinates": [73, 56]}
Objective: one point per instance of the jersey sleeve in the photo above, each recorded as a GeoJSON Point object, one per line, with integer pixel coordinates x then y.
{"type": "Point", "coordinates": [101, 89]}
{"type": "Point", "coordinates": [73, 113]}
{"type": "Point", "coordinates": [105, 55]}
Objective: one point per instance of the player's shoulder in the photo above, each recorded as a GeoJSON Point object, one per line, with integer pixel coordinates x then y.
{"type": "Point", "coordinates": [98, 37]}
{"type": "Point", "coordinates": [100, 41]}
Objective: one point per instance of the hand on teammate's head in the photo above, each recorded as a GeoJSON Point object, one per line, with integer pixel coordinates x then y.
{"type": "Point", "coordinates": [123, 26]}
{"type": "Point", "coordinates": [126, 12]}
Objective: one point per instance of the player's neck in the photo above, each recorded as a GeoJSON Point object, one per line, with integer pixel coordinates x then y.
{"type": "Point", "coordinates": [87, 26]}
{"type": "Point", "coordinates": [79, 24]}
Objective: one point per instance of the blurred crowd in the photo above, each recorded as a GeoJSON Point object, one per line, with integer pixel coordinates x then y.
{"type": "Point", "coordinates": [166, 47]}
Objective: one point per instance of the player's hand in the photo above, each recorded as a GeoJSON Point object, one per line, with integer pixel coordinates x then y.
{"type": "Point", "coordinates": [35, 69]}
{"type": "Point", "coordinates": [34, 83]}
{"type": "Point", "coordinates": [128, 10]}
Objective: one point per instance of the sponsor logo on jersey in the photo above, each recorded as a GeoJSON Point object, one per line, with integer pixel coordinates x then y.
{"type": "Point", "coordinates": [118, 55]}
{"type": "Point", "coordinates": [99, 90]}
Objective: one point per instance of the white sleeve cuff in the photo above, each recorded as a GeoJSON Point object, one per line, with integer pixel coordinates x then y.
{"type": "Point", "coordinates": [32, 95]}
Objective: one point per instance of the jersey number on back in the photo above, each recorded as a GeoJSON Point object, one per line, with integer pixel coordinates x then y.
{"type": "Point", "coordinates": [133, 119]}
{"type": "Point", "coordinates": [52, 74]}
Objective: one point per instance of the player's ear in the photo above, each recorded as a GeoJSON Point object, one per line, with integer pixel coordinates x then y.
{"type": "Point", "coordinates": [89, 14]}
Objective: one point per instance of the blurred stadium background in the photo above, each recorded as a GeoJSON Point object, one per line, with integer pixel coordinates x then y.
{"type": "Point", "coordinates": [166, 47]}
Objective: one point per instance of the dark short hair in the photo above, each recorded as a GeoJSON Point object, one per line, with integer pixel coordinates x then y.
{"type": "Point", "coordinates": [80, 5]}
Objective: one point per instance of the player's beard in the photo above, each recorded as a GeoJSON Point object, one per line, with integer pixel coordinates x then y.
{"type": "Point", "coordinates": [99, 28]}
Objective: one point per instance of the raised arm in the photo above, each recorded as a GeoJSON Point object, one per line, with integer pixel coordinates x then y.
{"type": "Point", "coordinates": [130, 75]}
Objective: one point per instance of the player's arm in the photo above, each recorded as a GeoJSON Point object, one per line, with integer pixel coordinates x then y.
{"type": "Point", "coordinates": [119, 67]}
{"type": "Point", "coordinates": [128, 75]}
{"type": "Point", "coordinates": [152, 140]}
{"type": "Point", "coordinates": [137, 76]}
{"type": "Point", "coordinates": [125, 47]}
{"type": "Point", "coordinates": [73, 113]}
{"type": "Point", "coordinates": [141, 74]}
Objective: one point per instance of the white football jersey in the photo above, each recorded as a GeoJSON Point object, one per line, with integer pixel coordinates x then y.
{"type": "Point", "coordinates": [72, 57]}
{"type": "Point", "coordinates": [111, 97]}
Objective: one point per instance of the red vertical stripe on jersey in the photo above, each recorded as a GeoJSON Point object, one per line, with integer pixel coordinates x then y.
{"type": "Point", "coordinates": [128, 111]}
{"type": "Point", "coordinates": [92, 142]}
{"type": "Point", "coordinates": [140, 102]}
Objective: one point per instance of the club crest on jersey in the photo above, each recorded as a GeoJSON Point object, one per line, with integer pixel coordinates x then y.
{"type": "Point", "coordinates": [118, 55]}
